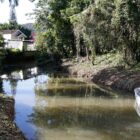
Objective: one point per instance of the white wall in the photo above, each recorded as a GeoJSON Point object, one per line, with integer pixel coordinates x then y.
{"type": "Point", "coordinates": [15, 44]}
{"type": "Point", "coordinates": [31, 47]}
{"type": "Point", "coordinates": [7, 36]}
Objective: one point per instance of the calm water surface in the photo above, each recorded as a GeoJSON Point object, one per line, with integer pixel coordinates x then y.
{"type": "Point", "coordinates": [56, 107]}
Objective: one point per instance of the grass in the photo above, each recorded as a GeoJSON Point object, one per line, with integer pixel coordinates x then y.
{"type": "Point", "coordinates": [84, 67]}
{"type": "Point", "coordinates": [66, 81]}
{"type": "Point", "coordinates": [135, 67]}
{"type": "Point", "coordinates": [110, 59]}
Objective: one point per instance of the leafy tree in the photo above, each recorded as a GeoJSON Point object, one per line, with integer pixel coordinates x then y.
{"type": "Point", "coordinates": [1, 41]}
{"type": "Point", "coordinates": [12, 5]}
{"type": "Point", "coordinates": [94, 26]}
{"type": "Point", "coordinates": [89, 27]}
{"type": "Point", "coordinates": [8, 26]}
{"type": "Point", "coordinates": [52, 21]}
{"type": "Point", "coordinates": [126, 20]}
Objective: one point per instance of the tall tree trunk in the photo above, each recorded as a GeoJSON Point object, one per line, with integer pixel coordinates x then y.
{"type": "Point", "coordinates": [78, 46]}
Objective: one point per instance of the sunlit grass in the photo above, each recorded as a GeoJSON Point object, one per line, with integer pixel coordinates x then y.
{"type": "Point", "coordinates": [110, 59]}
{"type": "Point", "coordinates": [67, 80]}
{"type": "Point", "coordinates": [135, 67]}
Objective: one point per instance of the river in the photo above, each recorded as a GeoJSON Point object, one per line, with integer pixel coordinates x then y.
{"type": "Point", "coordinates": [52, 107]}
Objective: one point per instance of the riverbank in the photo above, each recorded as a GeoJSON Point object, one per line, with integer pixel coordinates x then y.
{"type": "Point", "coordinates": [8, 129]}
{"type": "Point", "coordinates": [108, 70]}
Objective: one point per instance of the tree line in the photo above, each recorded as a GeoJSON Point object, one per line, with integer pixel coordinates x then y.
{"type": "Point", "coordinates": [89, 27]}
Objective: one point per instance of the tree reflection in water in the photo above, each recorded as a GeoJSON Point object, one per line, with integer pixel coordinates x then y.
{"type": "Point", "coordinates": [13, 84]}
{"type": "Point", "coordinates": [75, 105]}
{"type": "Point", "coordinates": [1, 86]}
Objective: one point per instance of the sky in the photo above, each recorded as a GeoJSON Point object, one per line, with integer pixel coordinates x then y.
{"type": "Point", "coordinates": [25, 6]}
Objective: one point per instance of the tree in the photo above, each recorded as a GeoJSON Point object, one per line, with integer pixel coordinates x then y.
{"type": "Point", "coordinates": [13, 84]}
{"type": "Point", "coordinates": [1, 41]}
{"type": "Point", "coordinates": [127, 21]}
{"type": "Point", "coordinates": [12, 5]}
{"type": "Point", "coordinates": [50, 19]}
{"type": "Point", "coordinates": [93, 25]}
{"type": "Point", "coordinates": [89, 27]}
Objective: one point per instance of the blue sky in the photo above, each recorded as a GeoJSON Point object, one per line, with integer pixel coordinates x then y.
{"type": "Point", "coordinates": [25, 6]}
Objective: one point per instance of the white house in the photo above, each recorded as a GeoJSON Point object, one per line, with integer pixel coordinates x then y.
{"type": "Point", "coordinates": [13, 35]}
{"type": "Point", "coordinates": [16, 39]}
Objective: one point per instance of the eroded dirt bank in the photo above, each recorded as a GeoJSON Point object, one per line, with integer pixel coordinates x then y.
{"type": "Point", "coordinates": [8, 129]}
{"type": "Point", "coordinates": [114, 77]}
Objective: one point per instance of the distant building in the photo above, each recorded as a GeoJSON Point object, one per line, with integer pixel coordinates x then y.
{"type": "Point", "coordinates": [16, 39]}
{"type": "Point", "coordinates": [13, 35]}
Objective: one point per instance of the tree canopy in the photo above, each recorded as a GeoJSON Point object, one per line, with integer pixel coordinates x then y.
{"type": "Point", "coordinates": [12, 14]}
{"type": "Point", "coordinates": [89, 27]}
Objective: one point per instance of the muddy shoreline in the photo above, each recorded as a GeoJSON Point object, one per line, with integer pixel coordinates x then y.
{"type": "Point", "coordinates": [117, 78]}
{"type": "Point", "coordinates": [8, 128]}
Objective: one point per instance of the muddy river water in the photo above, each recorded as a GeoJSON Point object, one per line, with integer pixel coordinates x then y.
{"type": "Point", "coordinates": [51, 107]}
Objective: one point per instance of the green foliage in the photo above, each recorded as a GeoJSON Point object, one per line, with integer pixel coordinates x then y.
{"type": "Point", "coordinates": [8, 26]}
{"type": "Point", "coordinates": [88, 27]}
{"type": "Point", "coordinates": [2, 51]}
{"type": "Point", "coordinates": [93, 25]}
{"type": "Point", "coordinates": [126, 20]}
{"type": "Point", "coordinates": [2, 56]}
{"type": "Point", "coordinates": [59, 34]}
{"type": "Point", "coordinates": [1, 41]}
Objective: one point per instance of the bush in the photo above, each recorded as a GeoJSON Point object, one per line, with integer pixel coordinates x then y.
{"type": "Point", "coordinates": [1, 41]}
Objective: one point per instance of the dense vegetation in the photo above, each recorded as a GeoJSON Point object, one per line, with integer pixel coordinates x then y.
{"type": "Point", "coordinates": [2, 51]}
{"type": "Point", "coordinates": [1, 41]}
{"type": "Point", "coordinates": [89, 27]}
